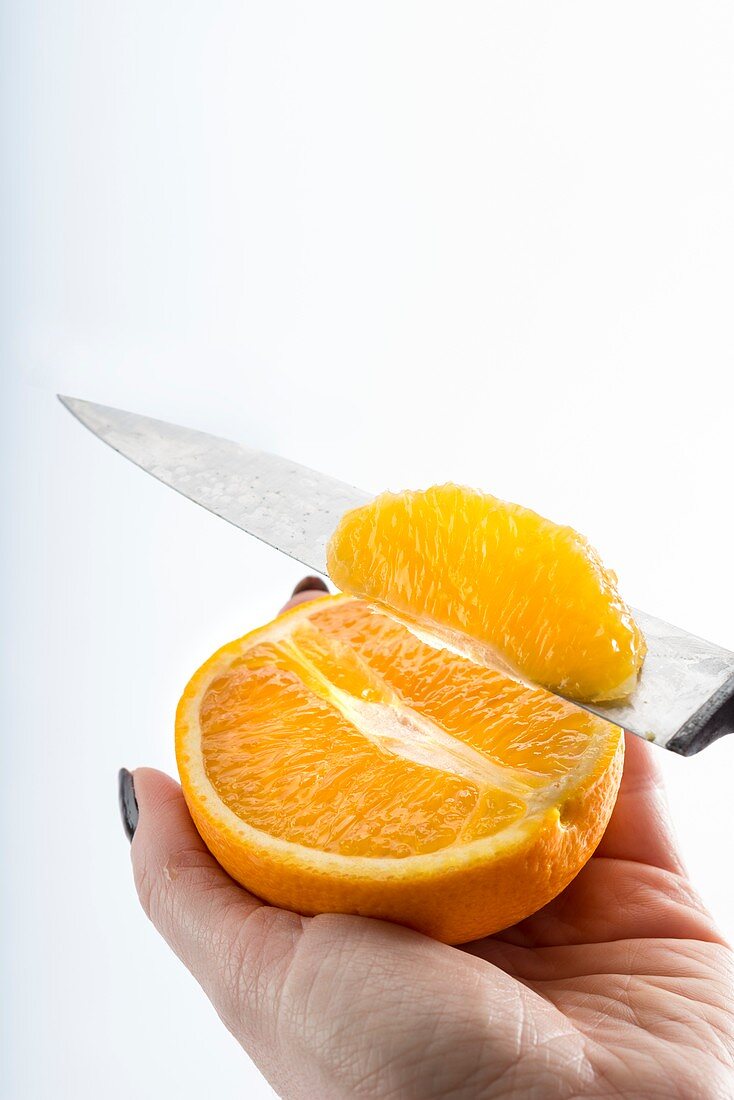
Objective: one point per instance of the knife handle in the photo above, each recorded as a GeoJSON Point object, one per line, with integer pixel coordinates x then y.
{"type": "Point", "coordinates": [714, 720]}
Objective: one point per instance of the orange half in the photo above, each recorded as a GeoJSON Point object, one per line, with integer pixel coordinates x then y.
{"type": "Point", "coordinates": [334, 762]}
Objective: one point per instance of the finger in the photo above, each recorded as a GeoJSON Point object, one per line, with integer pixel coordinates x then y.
{"type": "Point", "coordinates": [222, 934]}
{"type": "Point", "coordinates": [310, 588]}
{"type": "Point", "coordinates": [181, 887]}
{"type": "Point", "coordinates": [614, 900]}
{"type": "Point", "coordinates": [640, 828]}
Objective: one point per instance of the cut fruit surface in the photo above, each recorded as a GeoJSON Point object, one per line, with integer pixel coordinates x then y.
{"type": "Point", "coordinates": [499, 578]}
{"type": "Point", "coordinates": [333, 762]}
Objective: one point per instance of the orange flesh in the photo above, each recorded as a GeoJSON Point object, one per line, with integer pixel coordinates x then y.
{"type": "Point", "coordinates": [349, 735]}
{"type": "Point", "coordinates": [498, 577]}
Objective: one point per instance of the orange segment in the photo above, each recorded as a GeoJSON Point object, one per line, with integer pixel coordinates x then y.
{"type": "Point", "coordinates": [332, 761]}
{"type": "Point", "coordinates": [476, 569]}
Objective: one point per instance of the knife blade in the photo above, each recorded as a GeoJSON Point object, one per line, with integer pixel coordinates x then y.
{"type": "Point", "coordinates": [684, 698]}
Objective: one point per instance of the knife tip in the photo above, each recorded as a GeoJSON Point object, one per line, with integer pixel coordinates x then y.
{"type": "Point", "coordinates": [75, 405]}
{"type": "Point", "coordinates": [78, 408]}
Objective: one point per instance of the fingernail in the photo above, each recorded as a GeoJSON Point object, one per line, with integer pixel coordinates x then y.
{"type": "Point", "coordinates": [308, 583]}
{"type": "Point", "coordinates": [128, 802]}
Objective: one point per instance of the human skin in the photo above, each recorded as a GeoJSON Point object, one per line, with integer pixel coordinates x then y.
{"type": "Point", "coordinates": [620, 987]}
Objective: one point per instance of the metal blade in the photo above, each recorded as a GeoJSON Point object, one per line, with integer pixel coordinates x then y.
{"type": "Point", "coordinates": [288, 506]}
{"type": "Point", "coordinates": [685, 695]}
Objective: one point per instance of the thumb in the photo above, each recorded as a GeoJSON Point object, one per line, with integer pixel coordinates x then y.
{"type": "Point", "coordinates": [230, 941]}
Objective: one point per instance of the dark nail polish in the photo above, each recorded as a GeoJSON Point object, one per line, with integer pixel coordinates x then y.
{"type": "Point", "coordinates": [128, 802]}
{"type": "Point", "coordinates": [308, 583]}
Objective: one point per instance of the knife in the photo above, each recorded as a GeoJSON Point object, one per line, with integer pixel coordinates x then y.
{"type": "Point", "coordinates": [684, 698]}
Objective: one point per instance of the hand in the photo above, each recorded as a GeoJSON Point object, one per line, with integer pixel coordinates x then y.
{"type": "Point", "coordinates": [620, 987]}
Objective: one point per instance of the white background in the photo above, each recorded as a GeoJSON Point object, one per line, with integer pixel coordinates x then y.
{"type": "Point", "coordinates": [399, 242]}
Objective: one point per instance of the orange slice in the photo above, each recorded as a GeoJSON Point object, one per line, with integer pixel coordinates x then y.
{"type": "Point", "coordinates": [476, 569]}
{"type": "Point", "coordinates": [333, 762]}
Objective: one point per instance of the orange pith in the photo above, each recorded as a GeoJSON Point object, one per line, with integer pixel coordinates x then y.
{"type": "Point", "coordinates": [471, 566]}
{"type": "Point", "coordinates": [334, 762]}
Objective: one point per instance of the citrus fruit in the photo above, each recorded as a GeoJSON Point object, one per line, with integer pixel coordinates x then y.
{"type": "Point", "coordinates": [334, 762]}
{"type": "Point", "coordinates": [498, 580]}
